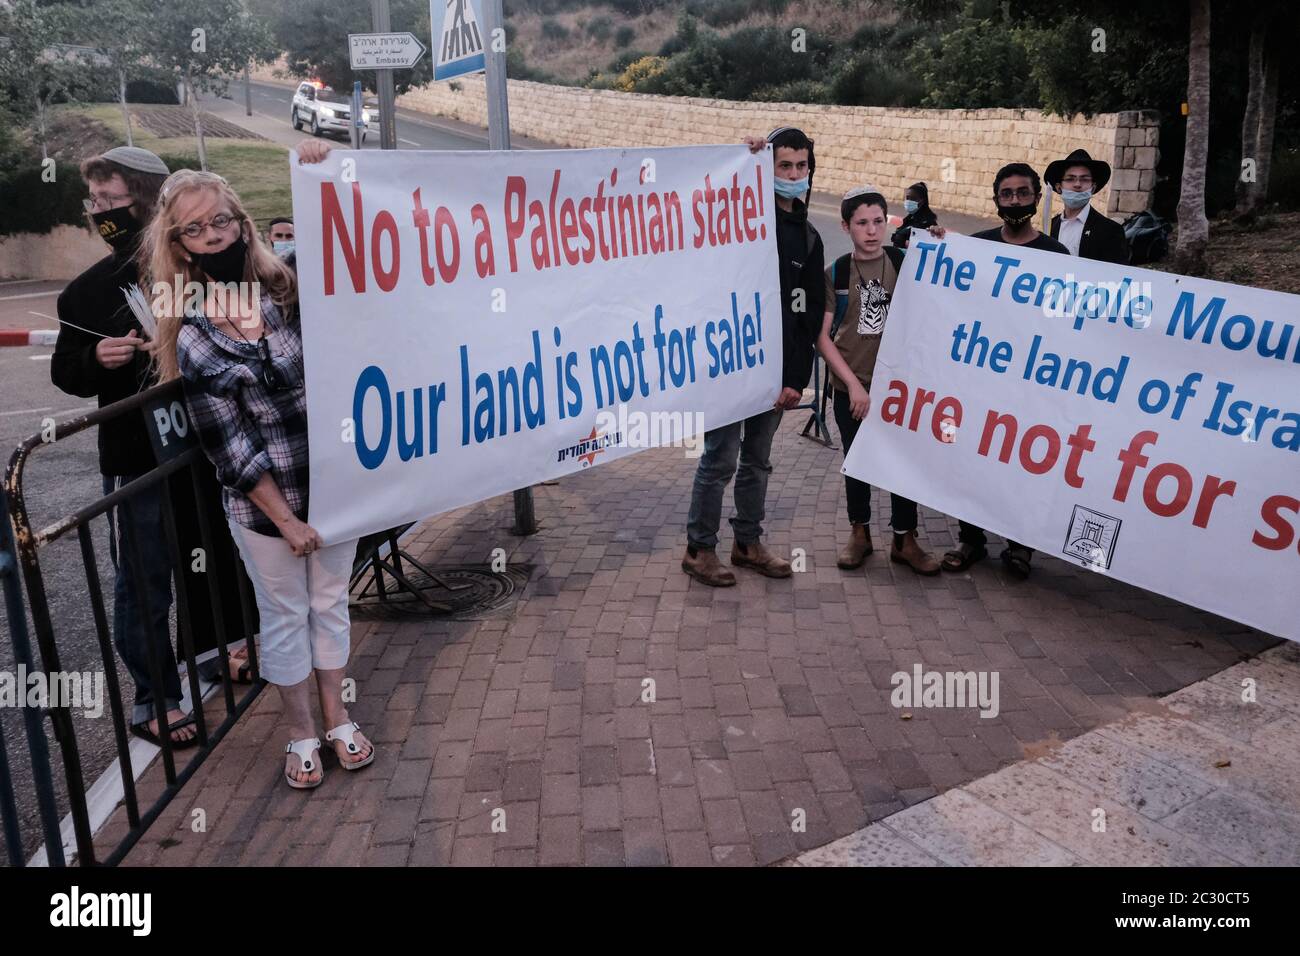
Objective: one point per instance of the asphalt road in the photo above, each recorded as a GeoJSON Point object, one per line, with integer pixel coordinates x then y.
{"type": "Point", "coordinates": [62, 476]}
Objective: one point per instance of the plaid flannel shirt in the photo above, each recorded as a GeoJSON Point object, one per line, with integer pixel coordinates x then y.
{"type": "Point", "coordinates": [246, 428]}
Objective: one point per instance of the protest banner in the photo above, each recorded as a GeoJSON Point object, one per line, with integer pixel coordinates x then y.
{"type": "Point", "coordinates": [1142, 424]}
{"type": "Point", "coordinates": [478, 322]}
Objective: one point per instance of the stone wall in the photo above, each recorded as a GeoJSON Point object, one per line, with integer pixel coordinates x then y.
{"type": "Point", "coordinates": [956, 152]}
{"type": "Point", "coordinates": [62, 253]}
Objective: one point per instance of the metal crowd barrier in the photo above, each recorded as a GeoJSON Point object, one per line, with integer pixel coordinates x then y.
{"type": "Point", "coordinates": [22, 552]}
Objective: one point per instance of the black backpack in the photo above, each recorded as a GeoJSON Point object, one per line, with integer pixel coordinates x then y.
{"type": "Point", "coordinates": [1148, 237]}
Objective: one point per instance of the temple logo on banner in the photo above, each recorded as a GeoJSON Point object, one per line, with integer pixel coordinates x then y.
{"type": "Point", "coordinates": [457, 38]}
{"type": "Point", "coordinates": [1091, 538]}
{"type": "Point", "coordinates": [1055, 400]}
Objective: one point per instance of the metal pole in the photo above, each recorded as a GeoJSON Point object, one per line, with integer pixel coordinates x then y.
{"type": "Point", "coordinates": [248, 88]}
{"type": "Point", "coordinates": [384, 82]}
{"type": "Point", "coordinates": [498, 107]}
{"type": "Point", "coordinates": [498, 101]}
{"type": "Point", "coordinates": [358, 116]}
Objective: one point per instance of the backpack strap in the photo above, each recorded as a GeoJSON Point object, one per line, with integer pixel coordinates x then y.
{"type": "Point", "coordinates": [895, 258]}
{"type": "Point", "coordinates": [840, 280]}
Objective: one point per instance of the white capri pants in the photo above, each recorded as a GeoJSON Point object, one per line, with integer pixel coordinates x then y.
{"type": "Point", "coordinates": [302, 604]}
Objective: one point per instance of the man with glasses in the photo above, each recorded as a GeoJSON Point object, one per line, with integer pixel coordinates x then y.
{"type": "Point", "coordinates": [1016, 192]}
{"type": "Point", "coordinates": [1086, 234]}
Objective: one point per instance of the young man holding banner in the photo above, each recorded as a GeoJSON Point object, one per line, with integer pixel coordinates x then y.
{"type": "Point", "coordinates": [1016, 192]}
{"type": "Point", "coordinates": [800, 259]}
{"type": "Point", "coordinates": [859, 287]}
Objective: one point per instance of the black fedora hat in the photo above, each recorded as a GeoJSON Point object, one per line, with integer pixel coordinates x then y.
{"type": "Point", "coordinates": [1080, 157]}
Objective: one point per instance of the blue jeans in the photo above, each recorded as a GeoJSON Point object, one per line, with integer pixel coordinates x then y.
{"type": "Point", "coordinates": [131, 629]}
{"type": "Point", "coordinates": [750, 441]}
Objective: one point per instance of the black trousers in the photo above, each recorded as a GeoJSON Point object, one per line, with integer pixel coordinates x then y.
{"type": "Point", "coordinates": [902, 516]}
{"type": "Point", "coordinates": [968, 533]}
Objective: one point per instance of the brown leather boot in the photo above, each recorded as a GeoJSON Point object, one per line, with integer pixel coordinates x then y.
{"type": "Point", "coordinates": [856, 551]}
{"type": "Point", "coordinates": [707, 569]}
{"type": "Point", "coordinates": [912, 554]}
{"type": "Point", "coordinates": [760, 559]}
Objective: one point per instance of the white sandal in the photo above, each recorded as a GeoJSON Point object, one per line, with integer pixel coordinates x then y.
{"type": "Point", "coordinates": [347, 734]}
{"type": "Point", "coordinates": [303, 749]}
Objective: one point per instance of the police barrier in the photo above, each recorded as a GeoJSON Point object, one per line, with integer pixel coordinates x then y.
{"type": "Point", "coordinates": [179, 458]}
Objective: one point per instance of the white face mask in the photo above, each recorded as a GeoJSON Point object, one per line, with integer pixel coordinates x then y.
{"type": "Point", "coordinates": [282, 247]}
{"type": "Point", "coordinates": [1076, 199]}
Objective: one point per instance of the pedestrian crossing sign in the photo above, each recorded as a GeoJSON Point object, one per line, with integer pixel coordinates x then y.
{"type": "Point", "coordinates": [457, 37]}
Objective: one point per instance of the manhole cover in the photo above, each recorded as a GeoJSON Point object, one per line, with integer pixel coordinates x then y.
{"type": "Point", "coordinates": [462, 591]}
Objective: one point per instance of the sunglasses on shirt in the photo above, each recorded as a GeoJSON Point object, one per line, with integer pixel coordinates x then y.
{"type": "Point", "coordinates": [271, 376]}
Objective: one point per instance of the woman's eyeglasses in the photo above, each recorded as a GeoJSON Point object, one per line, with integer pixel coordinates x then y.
{"type": "Point", "coordinates": [195, 229]}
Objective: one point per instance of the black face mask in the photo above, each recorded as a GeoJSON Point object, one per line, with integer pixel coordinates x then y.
{"type": "Point", "coordinates": [1017, 216]}
{"type": "Point", "coordinates": [117, 227]}
{"type": "Point", "coordinates": [226, 265]}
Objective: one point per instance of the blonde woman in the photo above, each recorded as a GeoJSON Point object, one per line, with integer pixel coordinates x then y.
{"type": "Point", "coordinates": [239, 355]}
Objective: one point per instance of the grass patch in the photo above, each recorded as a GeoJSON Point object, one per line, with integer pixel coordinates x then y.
{"type": "Point", "coordinates": [257, 171]}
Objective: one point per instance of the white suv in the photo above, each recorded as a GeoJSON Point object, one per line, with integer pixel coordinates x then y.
{"type": "Point", "coordinates": [324, 111]}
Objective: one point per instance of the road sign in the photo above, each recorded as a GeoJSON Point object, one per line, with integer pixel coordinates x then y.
{"type": "Point", "coordinates": [458, 37]}
{"type": "Point", "coordinates": [384, 51]}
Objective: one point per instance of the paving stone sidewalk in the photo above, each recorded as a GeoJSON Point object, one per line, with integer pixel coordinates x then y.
{"type": "Point", "coordinates": [1203, 778]}
{"type": "Point", "coordinates": [770, 697]}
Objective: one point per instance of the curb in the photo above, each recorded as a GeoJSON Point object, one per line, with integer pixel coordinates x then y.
{"type": "Point", "coordinates": [28, 336]}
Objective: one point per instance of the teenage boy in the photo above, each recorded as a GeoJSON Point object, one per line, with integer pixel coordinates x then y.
{"type": "Point", "coordinates": [99, 354]}
{"type": "Point", "coordinates": [800, 263]}
{"type": "Point", "coordinates": [859, 286]}
{"type": "Point", "coordinates": [1016, 193]}
{"type": "Point", "coordinates": [1083, 231]}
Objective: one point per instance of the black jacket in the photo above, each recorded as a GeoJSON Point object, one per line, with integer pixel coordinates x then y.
{"type": "Point", "coordinates": [922, 219]}
{"type": "Point", "coordinates": [1103, 238]}
{"type": "Point", "coordinates": [802, 262]}
{"type": "Point", "coordinates": [94, 301]}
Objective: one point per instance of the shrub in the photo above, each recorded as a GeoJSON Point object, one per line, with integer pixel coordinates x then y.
{"type": "Point", "coordinates": [600, 29]}
{"type": "Point", "coordinates": [32, 205]}
{"type": "Point", "coordinates": [150, 91]}
{"type": "Point", "coordinates": [624, 36]}
{"type": "Point", "coordinates": [640, 73]}
{"type": "Point", "coordinates": [624, 60]}
{"type": "Point", "coordinates": [554, 30]}
{"type": "Point", "coordinates": [1284, 179]}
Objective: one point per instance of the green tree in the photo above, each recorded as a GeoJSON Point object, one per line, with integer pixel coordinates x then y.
{"type": "Point", "coordinates": [1193, 227]}
{"type": "Point", "coordinates": [202, 43]}
{"type": "Point", "coordinates": [313, 34]}
{"type": "Point", "coordinates": [120, 31]}
{"type": "Point", "coordinates": [977, 64]}
{"type": "Point", "coordinates": [37, 64]}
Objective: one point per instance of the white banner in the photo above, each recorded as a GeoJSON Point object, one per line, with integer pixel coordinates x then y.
{"type": "Point", "coordinates": [474, 322]}
{"type": "Point", "coordinates": [1141, 424]}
